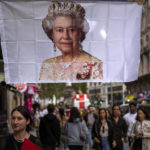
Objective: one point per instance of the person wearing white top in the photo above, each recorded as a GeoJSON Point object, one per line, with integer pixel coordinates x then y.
{"type": "Point", "coordinates": [130, 119]}
{"type": "Point", "coordinates": [140, 132]}
{"type": "Point", "coordinates": [43, 112]}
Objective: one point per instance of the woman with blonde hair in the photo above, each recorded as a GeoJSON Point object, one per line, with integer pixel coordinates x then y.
{"type": "Point", "coordinates": [66, 25]}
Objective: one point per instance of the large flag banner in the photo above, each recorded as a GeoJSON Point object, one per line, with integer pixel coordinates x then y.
{"type": "Point", "coordinates": [45, 41]}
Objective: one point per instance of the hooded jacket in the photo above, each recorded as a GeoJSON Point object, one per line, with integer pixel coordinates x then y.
{"type": "Point", "coordinates": [49, 130]}
{"type": "Point", "coordinates": [72, 130]}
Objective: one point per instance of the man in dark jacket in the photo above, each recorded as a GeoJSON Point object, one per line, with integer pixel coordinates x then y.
{"type": "Point", "coordinates": [120, 128]}
{"type": "Point", "coordinates": [49, 129]}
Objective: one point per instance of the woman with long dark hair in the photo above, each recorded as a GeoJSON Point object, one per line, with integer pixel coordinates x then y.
{"type": "Point", "coordinates": [21, 122]}
{"type": "Point", "coordinates": [140, 132]}
{"type": "Point", "coordinates": [74, 128]}
{"type": "Point", "coordinates": [102, 132]}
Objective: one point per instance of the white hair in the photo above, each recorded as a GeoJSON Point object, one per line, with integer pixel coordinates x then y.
{"type": "Point", "coordinates": [71, 9]}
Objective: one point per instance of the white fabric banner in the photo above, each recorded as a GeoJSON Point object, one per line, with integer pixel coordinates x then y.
{"type": "Point", "coordinates": [109, 52]}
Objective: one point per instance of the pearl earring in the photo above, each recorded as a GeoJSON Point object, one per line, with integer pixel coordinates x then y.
{"type": "Point", "coordinates": [54, 47]}
{"type": "Point", "coordinates": [81, 48]}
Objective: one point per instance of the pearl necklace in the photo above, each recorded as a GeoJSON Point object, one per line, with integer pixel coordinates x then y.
{"type": "Point", "coordinates": [65, 66]}
{"type": "Point", "coordinates": [20, 140]}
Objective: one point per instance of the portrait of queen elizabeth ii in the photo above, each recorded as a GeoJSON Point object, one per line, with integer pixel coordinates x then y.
{"type": "Point", "coordinates": [66, 25]}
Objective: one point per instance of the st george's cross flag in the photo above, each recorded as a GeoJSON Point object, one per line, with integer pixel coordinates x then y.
{"type": "Point", "coordinates": [93, 42]}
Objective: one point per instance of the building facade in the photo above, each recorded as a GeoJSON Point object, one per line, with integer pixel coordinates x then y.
{"type": "Point", "coordinates": [106, 94]}
{"type": "Point", "coordinates": [142, 85]}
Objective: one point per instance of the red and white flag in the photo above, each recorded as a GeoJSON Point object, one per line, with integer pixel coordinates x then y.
{"type": "Point", "coordinates": [81, 100]}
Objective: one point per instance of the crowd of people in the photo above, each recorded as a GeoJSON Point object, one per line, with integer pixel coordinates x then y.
{"type": "Point", "coordinates": [91, 130]}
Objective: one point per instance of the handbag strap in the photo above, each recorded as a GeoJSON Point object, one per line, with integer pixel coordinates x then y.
{"type": "Point", "coordinates": [135, 126]}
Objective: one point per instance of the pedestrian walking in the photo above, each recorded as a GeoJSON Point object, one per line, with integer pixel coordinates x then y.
{"type": "Point", "coordinates": [56, 112]}
{"type": "Point", "coordinates": [37, 120]}
{"type": "Point", "coordinates": [108, 114]}
{"type": "Point", "coordinates": [120, 128]}
{"type": "Point", "coordinates": [130, 119]}
{"type": "Point", "coordinates": [102, 132]}
{"type": "Point", "coordinates": [140, 132]}
{"type": "Point", "coordinates": [43, 111]}
{"type": "Point", "coordinates": [21, 122]}
{"type": "Point", "coordinates": [76, 130]}
{"type": "Point", "coordinates": [90, 118]}
{"type": "Point", "coordinates": [49, 130]}
{"type": "Point", "coordinates": [63, 119]}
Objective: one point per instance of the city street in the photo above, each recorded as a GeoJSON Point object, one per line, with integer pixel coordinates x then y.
{"type": "Point", "coordinates": [74, 71]}
{"type": "Point", "coordinates": [126, 147]}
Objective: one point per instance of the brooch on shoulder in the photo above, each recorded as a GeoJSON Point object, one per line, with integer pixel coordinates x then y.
{"type": "Point", "coordinates": [85, 72]}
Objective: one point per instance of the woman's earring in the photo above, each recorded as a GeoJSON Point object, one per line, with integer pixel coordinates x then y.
{"type": "Point", "coordinates": [81, 48]}
{"type": "Point", "coordinates": [54, 47]}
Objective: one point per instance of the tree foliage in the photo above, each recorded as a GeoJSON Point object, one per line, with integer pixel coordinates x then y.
{"type": "Point", "coordinates": [79, 86]}
{"type": "Point", "coordinates": [50, 89]}
{"type": "Point", "coordinates": [58, 89]}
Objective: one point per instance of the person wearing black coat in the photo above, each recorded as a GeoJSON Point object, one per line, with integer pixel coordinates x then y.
{"type": "Point", "coordinates": [21, 123]}
{"type": "Point", "coordinates": [49, 130]}
{"type": "Point", "coordinates": [102, 132]}
{"type": "Point", "coordinates": [13, 144]}
{"type": "Point", "coordinates": [120, 128]}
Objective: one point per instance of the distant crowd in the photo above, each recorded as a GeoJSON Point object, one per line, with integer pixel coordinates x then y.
{"type": "Point", "coordinates": [72, 129]}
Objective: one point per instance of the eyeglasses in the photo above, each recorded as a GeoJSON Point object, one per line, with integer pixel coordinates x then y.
{"type": "Point", "coordinates": [61, 30]}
